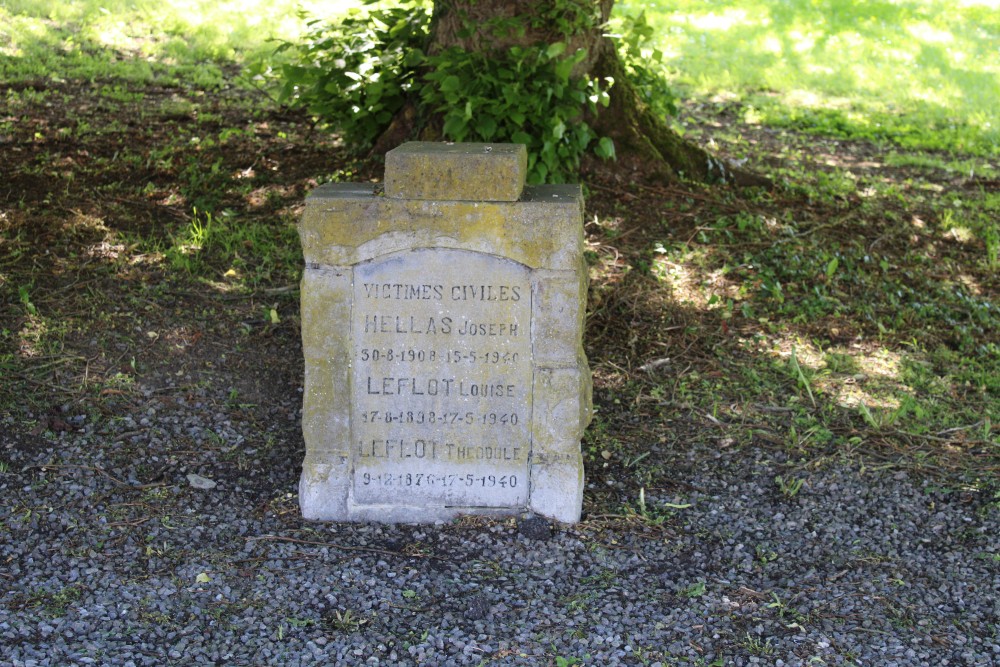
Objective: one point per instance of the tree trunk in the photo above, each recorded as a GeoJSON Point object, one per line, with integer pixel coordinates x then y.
{"type": "Point", "coordinates": [643, 142]}
{"type": "Point", "coordinates": [501, 24]}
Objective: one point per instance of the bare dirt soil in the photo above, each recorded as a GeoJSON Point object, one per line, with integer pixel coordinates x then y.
{"type": "Point", "coordinates": [102, 179]}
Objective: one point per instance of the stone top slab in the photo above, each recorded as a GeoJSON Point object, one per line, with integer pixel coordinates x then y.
{"type": "Point", "coordinates": [458, 172]}
{"type": "Point", "coordinates": [347, 223]}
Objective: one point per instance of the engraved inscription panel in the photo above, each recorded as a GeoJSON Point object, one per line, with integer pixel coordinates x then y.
{"type": "Point", "coordinates": [441, 371]}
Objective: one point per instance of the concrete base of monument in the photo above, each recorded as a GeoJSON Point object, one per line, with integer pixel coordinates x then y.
{"type": "Point", "coordinates": [325, 496]}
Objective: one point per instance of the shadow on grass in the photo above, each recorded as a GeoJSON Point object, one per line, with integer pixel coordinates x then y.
{"type": "Point", "coordinates": [718, 325]}
{"type": "Point", "coordinates": [718, 318]}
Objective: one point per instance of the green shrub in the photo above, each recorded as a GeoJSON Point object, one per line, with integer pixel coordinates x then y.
{"type": "Point", "coordinates": [527, 96]}
{"type": "Point", "coordinates": [356, 73]}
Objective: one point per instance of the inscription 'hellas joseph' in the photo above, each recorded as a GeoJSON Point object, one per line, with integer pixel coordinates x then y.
{"type": "Point", "coordinates": [445, 326]}
{"type": "Point", "coordinates": [441, 325]}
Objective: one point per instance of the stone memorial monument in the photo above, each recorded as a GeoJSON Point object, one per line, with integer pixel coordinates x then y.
{"type": "Point", "coordinates": [442, 327]}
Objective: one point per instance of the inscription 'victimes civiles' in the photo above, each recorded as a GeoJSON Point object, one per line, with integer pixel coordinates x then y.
{"type": "Point", "coordinates": [428, 292]}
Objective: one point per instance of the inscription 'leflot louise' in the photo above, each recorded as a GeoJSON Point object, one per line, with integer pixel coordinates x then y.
{"type": "Point", "coordinates": [441, 401]}
{"type": "Point", "coordinates": [441, 328]}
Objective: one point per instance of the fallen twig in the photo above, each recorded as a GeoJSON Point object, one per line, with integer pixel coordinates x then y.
{"type": "Point", "coordinates": [654, 364]}
{"type": "Point", "coordinates": [771, 408]}
{"type": "Point", "coordinates": [960, 428]}
{"type": "Point", "coordinates": [101, 471]}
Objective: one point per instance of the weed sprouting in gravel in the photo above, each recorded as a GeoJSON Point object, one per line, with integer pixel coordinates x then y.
{"type": "Point", "coordinates": [789, 486]}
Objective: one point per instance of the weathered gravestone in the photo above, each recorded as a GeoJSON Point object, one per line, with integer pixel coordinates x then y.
{"type": "Point", "coordinates": [442, 326]}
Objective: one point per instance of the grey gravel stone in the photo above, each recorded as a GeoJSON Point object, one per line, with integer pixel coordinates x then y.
{"type": "Point", "coordinates": [477, 607]}
{"type": "Point", "coordinates": [108, 556]}
{"type": "Point", "coordinates": [535, 528]}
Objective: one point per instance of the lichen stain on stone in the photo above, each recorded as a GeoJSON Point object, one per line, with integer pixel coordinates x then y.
{"type": "Point", "coordinates": [317, 473]}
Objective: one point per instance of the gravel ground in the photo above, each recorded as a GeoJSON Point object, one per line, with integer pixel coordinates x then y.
{"type": "Point", "coordinates": [110, 554]}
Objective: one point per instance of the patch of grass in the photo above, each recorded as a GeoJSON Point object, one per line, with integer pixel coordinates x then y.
{"type": "Point", "coordinates": [757, 645]}
{"type": "Point", "coordinates": [789, 486]}
{"type": "Point", "coordinates": [563, 661]}
{"type": "Point", "coordinates": [653, 515]}
{"type": "Point", "coordinates": [917, 75]}
{"type": "Point", "coordinates": [902, 288]}
{"type": "Point", "coordinates": [859, 326]}
{"type": "Point", "coordinates": [976, 221]}
{"type": "Point", "coordinates": [226, 249]}
{"type": "Point", "coordinates": [695, 590]}
{"type": "Point", "coordinates": [579, 602]}
{"type": "Point", "coordinates": [54, 604]}
{"type": "Point", "coordinates": [345, 620]}
{"type": "Point", "coordinates": [968, 167]}
{"type": "Point", "coordinates": [121, 131]}
{"type": "Point", "coordinates": [172, 41]}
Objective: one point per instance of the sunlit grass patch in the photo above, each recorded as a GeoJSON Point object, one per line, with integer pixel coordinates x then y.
{"type": "Point", "coordinates": [968, 167]}
{"type": "Point", "coordinates": [139, 40]}
{"type": "Point", "coordinates": [917, 74]}
{"type": "Point", "coordinates": [229, 252]}
{"type": "Point", "coordinates": [875, 317]}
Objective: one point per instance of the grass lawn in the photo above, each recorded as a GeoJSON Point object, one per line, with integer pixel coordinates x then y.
{"type": "Point", "coordinates": [147, 226]}
{"type": "Point", "coordinates": [920, 74]}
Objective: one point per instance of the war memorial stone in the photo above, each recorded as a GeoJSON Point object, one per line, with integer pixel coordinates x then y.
{"type": "Point", "coordinates": [442, 326]}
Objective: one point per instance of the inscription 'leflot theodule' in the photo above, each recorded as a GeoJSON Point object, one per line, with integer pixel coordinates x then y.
{"type": "Point", "coordinates": [442, 329]}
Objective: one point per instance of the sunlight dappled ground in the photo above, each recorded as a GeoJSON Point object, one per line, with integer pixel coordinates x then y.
{"type": "Point", "coordinates": [167, 32]}
{"type": "Point", "coordinates": [852, 305]}
{"type": "Point", "coordinates": [921, 73]}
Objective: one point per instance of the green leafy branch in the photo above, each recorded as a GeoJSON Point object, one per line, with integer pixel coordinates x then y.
{"type": "Point", "coordinates": [527, 96]}
{"type": "Point", "coordinates": [357, 73]}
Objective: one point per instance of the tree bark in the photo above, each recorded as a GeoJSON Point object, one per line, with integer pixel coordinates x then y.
{"type": "Point", "coordinates": [501, 24]}
{"type": "Point", "coordinates": [643, 142]}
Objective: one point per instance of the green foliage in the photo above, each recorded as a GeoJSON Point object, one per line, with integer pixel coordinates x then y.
{"type": "Point", "coordinates": [878, 316]}
{"type": "Point", "coordinates": [355, 74]}
{"type": "Point", "coordinates": [792, 275]}
{"type": "Point", "coordinates": [644, 63]}
{"type": "Point", "coordinates": [24, 294]}
{"type": "Point", "coordinates": [216, 247]}
{"type": "Point", "coordinates": [203, 187]}
{"type": "Point", "coordinates": [55, 604]}
{"type": "Point", "coordinates": [757, 645]}
{"type": "Point", "coordinates": [345, 621]}
{"type": "Point", "coordinates": [695, 590]}
{"type": "Point", "coordinates": [789, 486]}
{"type": "Point", "coordinates": [526, 96]}
{"type": "Point", "coordinates": [981, 222]}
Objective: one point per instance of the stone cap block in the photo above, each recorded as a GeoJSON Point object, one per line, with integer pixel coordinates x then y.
{"type": "Point", "coordinates": [458, 172]}
{"type": "Point", "coordinates": [345, 224]}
